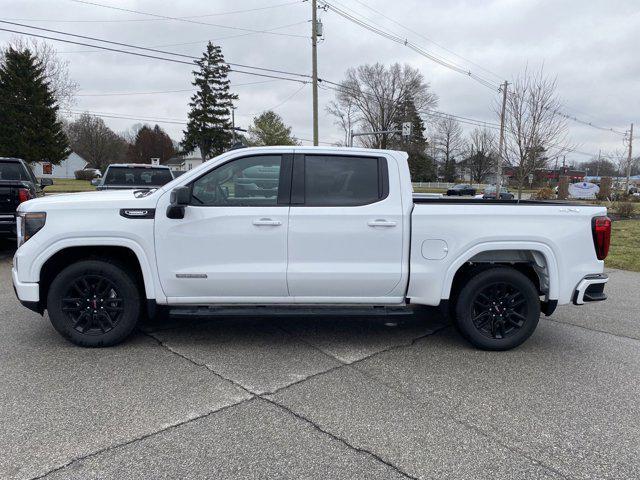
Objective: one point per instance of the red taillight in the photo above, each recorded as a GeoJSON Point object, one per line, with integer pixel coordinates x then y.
{"type": "Point", "coordinates": [23, 195]}
{"type": "Point", "coordinates": [601, 236]}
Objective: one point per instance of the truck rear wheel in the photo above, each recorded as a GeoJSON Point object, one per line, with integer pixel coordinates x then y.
{"type": "Point", "coordinates": [94, 303]}
{"type": "Point", "coordinates": [498, 309]}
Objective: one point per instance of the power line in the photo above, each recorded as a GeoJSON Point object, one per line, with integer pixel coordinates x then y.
{"type": "Point", "coordinates": [48, 20]}
{"type": "Point", "coordinates": [173, 60]}
{"type": "Point", "coordinates": [403, 41]}
{"type": "Point", "coordinates": [200, 42]}
{"type": "Point", "coordinates": [415, 32]}
{"type": "Point", "coordinates": [278, 105]}
{"type": "Point", "coordinates": [147, 49]}
{"type": "Point", "coordinates": [157, 92]}
{"type": "Point", "coordinates": [187, 20]}
{"type": "Point", "coordinates": [448, 64]}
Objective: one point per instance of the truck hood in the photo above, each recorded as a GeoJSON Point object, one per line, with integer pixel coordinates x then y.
{"type": "Point", "coordinates": [90, 200]}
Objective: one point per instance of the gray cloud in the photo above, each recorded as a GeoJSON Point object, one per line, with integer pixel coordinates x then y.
{"type": "Point", "coordinates": [591, 47]}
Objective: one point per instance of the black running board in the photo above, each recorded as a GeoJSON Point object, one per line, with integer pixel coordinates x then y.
{"type": "Point", "coordinates": [287, 310]}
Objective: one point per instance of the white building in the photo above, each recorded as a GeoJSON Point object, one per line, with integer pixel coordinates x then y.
{"type": "Point", "coordinates": [184, 164]}
{"type": "Point", "coordinates": [65, 169]}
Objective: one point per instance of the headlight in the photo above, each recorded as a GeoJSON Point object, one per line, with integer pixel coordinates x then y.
{"type": "Point", "coordinates": [28, 224]}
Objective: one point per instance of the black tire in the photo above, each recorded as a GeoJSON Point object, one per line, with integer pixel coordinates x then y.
{"type": "Point", "coordinates": [497, 309]}
{"type": "Point", "coordinates": [94, 303]}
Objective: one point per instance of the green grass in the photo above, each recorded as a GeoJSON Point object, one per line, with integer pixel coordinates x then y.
{"type": "Point", "coordinates": [625, 245]}
{"type": "Point", "coordinates": [63, 185]}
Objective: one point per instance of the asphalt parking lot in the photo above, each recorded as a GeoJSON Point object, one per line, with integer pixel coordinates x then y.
{"type": "Point", "coordinates": [308, 397]}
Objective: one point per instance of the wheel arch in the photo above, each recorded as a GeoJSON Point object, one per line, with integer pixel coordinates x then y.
{"type": "Point", "coordinates": [536, 260]}
{"type": "Point", "coordinates": [63, 253]}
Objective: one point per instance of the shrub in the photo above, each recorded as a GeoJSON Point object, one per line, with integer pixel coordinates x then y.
{"type": "Point", "coordinates": [624, 209]}
{"type": "Point", "coordinates": [84, 174]}
{"type": "Point", "coordinates": [545, 194]}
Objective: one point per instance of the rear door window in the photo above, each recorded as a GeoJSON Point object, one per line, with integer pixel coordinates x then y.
{"type": "Point", "coordinates": [333, 180]}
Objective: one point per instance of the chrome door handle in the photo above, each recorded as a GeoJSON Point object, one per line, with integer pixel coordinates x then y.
{"type": "Point", "coordinates": [267, 222]}
{"type": "Point", "coordinates": [381, 223]}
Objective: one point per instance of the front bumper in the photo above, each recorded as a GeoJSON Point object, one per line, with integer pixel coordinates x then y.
{"type": "Point", "coordinates": [26, 292]}
{"type": "Point", "coordinates": [590, 289]}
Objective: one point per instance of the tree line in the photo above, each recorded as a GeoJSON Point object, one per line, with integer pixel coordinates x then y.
{"type": "Point", "coordinates": [35, 85]}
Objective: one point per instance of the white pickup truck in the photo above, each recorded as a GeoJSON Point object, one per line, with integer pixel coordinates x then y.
{"type": "Point", "coordinates": [291, 226]}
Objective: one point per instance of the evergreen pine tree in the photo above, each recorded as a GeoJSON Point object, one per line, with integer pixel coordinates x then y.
{"type": "Point", "coordinates": [209, 127]}
{"type": "Point", "coordinates": [29, 128]}
{"type": "Point", "coordinates": [420, 164]}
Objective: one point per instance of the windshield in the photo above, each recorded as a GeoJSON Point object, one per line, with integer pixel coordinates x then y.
{"type": "Point", "coordinates": [13, 171]}
{"type": "Point", "coordinates": [138, 176]}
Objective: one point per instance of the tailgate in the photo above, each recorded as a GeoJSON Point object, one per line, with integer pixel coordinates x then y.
{"type": "Point", "coordinates": [7, 199]}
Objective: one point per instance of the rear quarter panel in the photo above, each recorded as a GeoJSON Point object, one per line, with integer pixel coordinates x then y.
{"type": "Point", "coordinates": [562, 234]}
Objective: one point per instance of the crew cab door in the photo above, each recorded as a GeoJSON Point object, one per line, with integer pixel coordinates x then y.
{"type": "Point", "coordinates": [345, 229]}
{"type": "Point", "coordinates": [231, 245]}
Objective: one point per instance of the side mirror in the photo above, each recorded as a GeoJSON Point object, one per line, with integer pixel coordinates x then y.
{"type": "Point", "coordinates": [180, 198]}
{"type": "Point", "coordinates": [46, 182]}
{"type": "Point", "coordinates": [95, 182]}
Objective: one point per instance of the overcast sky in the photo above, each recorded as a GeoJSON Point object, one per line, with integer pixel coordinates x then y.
{"type": "Point", "coordinates": [591, 46]}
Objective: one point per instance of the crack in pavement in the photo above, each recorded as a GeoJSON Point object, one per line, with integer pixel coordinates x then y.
{"type": "Point", "coordinates": [263, 397]}
{"type": "Point", "coordinates": [464, 423]}
{"type": "Point", "coordinates": [478, 430]}
{"type": "Point", "coordinates": [337, 438]}
{"type": "Point", "coordinates": [139, 438]}
{"type": "Point", "coordinates": [591, 329]}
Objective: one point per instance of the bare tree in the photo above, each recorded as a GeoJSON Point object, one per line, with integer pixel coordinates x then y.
{"type": "Point", "coordinates": [56, 69]}
{"type": "Point", "coordinates": [93, 140]}
{"type": "Point", "coordinates": [535, 129]}
{"type": "Point", "coordinates": [449, 144]}
{"type": "Point", "coordinates": [345, 114]}
{"type": "Point", "coordinates": [377, 95]}
{"type": "Point", "coordinates": [481, 154]}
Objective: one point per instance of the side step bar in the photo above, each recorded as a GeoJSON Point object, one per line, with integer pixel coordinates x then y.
{"type": "Point", "coordinates": [294, 310]}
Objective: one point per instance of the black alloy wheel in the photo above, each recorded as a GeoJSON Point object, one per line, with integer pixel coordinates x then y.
{"type": "Point", "coordinates": [497, 309]}
{"type": "Point", "coordinates": [94, 303]}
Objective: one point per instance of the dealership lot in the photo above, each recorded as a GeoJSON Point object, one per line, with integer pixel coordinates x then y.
{"type": "Point", "coordinates": [323, 397]}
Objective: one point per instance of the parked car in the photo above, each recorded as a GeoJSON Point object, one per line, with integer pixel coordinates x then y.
{"type": "Point", "coordinates": [17, 184]}
{"type": "Point", "coordinates": [95, 172]}
{"type": "Point", "coordinates": [135, 176]}
{"type": "Point", "coordinates": [462, 189]}
{"type": "Point", "coordinates": [343, 229]}
{"type": "Point", "coordinates": [490, 193]}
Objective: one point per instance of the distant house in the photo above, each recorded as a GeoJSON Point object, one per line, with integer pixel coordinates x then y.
{"type": "Point", "coordinates": [184, 164]}
{"type": "Point", "coordinates": [65, 169]}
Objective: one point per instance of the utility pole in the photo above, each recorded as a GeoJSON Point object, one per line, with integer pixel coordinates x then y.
{"type": "Point", "coordinates": [314, 68]}
{"type": "Point", "coordinates": [598, 163]}
{"type": "Point", "coordinates": [626, 188]}
{"type": "Point", "coordinates": [233, 125]}
{"type": "Point", "coordinates": [501, 143]}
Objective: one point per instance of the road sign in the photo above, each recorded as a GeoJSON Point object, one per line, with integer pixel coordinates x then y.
{"type": "Point", "coordinates": [406, 129]}
{"type": "Point", "coordinates": [530, 178]}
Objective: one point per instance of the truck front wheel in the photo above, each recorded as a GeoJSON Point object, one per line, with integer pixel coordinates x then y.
{"type": "Point", "coordinates": [498, 309]}
{"type": "Point", "coordinates": [94, 303]}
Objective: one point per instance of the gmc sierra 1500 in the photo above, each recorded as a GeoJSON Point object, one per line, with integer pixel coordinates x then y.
{"type": "Point", "coordinates": [304, 226]}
